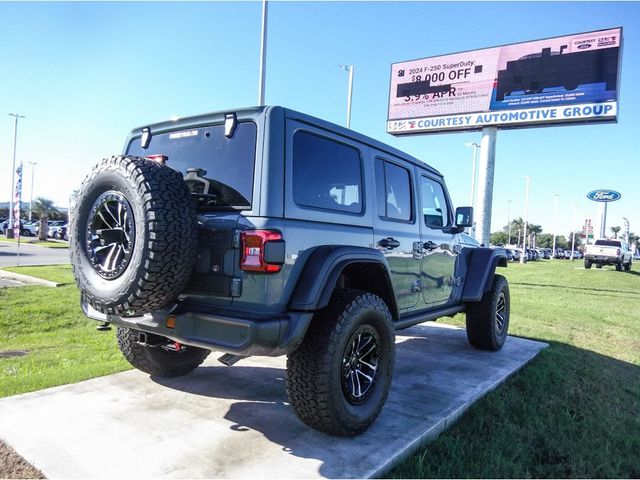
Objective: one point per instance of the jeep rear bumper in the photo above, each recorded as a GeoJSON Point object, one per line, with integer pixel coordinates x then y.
{"type": "Point", "coordinates": [267, 336]}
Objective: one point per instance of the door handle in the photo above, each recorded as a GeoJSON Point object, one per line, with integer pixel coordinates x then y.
{"type": "Point", "coordinates": [429, 245]}
{"type": "Point", "coordinates": [389, 242]}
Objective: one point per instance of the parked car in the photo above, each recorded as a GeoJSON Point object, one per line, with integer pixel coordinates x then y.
{"type": "Point", "coordinates": [559, 253]}
{"type": "Point", "coordinates": [255, 238]}
{"type": "Point", "coordinates": [516, 254]}
{"type": "Point", "coordinates": [24, 230]}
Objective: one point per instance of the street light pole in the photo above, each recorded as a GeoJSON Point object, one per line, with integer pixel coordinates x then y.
{"type": "Point", "coordinates": [10, 232]}
{"type": "Point", "coordinates": [33, 169]}
{"type": "Point", "coordinates": [472, 194]}
{"type": "Point", "coordinates": [509, 221]}
{"type": "Point", "coordinates": [349, 68]}
{"type": "Point", "coordinates": [573, 229]}
{"type": "Point", "coordinates": [263, 55]}
{"type": "Point", "coordinates": [526, 219]}
{"type": "Point", "coordinates": [555, 222]}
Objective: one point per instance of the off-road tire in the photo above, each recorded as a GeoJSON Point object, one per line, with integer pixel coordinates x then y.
{"type": "Point", "coordinates": [483, 330]}
{"type": "Point", "coordinates": [156, 360]}
{"type": "Point", "coordinates": [587, 264]}
{"type": "Point", "coordinates": [627, 266]}
{"type": "Point", "coordinates": [315, 369]}
{"type": "Point", "coordinates": [619, 267]}
{"type": "Point", "coordinates": [164, 246]}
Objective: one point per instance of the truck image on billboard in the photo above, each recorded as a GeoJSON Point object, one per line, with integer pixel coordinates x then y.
{"type": "Point", "coordinates": [559, 80]}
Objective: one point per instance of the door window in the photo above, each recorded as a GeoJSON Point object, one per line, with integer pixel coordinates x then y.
{"type": "Point", "coordinates": [434, 205]}
{"type": "Point", "coordinates": [393, 189]}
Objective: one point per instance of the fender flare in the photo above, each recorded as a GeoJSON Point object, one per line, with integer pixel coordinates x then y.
{"type": "Point", "coordinates": [481, 267]}
{"type": "Point", "coordinates": [322, 271]}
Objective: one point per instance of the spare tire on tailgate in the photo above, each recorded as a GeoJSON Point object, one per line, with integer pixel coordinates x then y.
{"type": "Point", "coordinates": [134, 236]}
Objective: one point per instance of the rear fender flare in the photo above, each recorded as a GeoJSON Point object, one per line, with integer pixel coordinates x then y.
{"type": "Point", "coordinates": [322, 270]}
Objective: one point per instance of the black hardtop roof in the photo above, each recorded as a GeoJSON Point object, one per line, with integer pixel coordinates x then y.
{"type": "Point", "coordinates": [252, 112]}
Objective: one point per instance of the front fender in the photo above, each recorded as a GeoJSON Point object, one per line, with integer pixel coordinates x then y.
{"type": "Point", "coordinates": [481, 267]}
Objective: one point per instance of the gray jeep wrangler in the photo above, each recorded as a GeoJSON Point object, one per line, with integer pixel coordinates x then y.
{"type": "Point", "coordinates": [265, 231]}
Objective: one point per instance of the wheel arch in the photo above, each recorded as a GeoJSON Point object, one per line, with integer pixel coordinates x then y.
{"type": "Point", "coordinates": [329, 267]}
{"type": "Point", "coordinates": [481, 268]}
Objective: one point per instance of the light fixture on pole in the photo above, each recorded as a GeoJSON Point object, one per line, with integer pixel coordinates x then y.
{"type": "Point", "coordinates": [526, 219]}
{"type": "Point", "coordinates": [33, 169]}
{"type": "Point", "coordinates": [10, 233]}
{"type": "Point", "coordinates": [349, 68]}
{"type": "Point", "coordinates": [509, 222]}
{"type": "Point", "coordinates": [263, 54]}
{"type": "Point", "coordinates": [472, 194]}
{"type": "Point", "coordinates": [555, 223]}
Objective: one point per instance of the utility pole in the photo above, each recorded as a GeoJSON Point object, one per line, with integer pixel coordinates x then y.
{"type": "Point", "coordinates": [263, 54]}
{"type": "Point", "coordinates": [526, 219]}
{"type": "Point", "coordinates": [349, 68]}
{"type": "Point", "coordinates": [10, 232]}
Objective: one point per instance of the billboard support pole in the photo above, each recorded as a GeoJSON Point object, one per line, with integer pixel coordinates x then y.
{"type": "Point", "coordinates": [485, 183]}
{"type": "Point", "coordinates": [602, 213]}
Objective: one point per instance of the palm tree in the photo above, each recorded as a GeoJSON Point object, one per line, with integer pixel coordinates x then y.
{"type": "Point", "coordinates": [44, 207]}
{"type": "Point", "coordinates": [615, 231]}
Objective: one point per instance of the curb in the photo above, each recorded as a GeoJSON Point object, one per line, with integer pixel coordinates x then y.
{"type": "Point", "coordinates": [19, 277]}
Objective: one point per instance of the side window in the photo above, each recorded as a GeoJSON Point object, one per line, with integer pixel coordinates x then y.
{"type": "Point", "coordinates": [393, 190]}
{"type": "Point", "coordinates": [434, 203]}
{"type": "Point", "coordinates": [326, 174]}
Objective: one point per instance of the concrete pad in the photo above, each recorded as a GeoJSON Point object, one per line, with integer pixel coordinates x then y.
{"type": "Point", "coordinates": [235, 422]}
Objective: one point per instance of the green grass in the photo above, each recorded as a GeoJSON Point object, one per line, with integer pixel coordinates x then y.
{"type": "Point", "coordinates": [55, 273]}
{"type": "Point", "coordinates": [62, 345]}
{"type": "Point", "coordinates": [574, 411]}
{"type": "Point", "coordinates": [35, 241]}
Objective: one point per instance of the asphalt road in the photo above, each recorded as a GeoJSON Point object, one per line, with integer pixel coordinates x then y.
{"type": "Point", "coordinates": [31, 255]}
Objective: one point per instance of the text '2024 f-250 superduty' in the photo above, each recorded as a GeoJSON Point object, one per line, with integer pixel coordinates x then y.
{"type": "Point", "coordinates": [265, 231]}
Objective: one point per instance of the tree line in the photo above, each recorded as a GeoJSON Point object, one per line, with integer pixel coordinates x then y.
{"type": "Point", "coordinates": [537, 239]}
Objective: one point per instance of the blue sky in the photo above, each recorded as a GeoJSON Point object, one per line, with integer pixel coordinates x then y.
{"type": "Point", "coordinates": [84, 74]}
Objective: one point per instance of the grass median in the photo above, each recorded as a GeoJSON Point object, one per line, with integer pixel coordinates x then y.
{"type": "Point", "coordinates": [35, 241]}
{"type": "Point", "coordinates": [572, 412]}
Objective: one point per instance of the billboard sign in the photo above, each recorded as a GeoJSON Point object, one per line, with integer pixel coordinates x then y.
{"type": "Point", "coordinates": [559, 80]}
{"type": "Point", "coordinates": [604, 195]}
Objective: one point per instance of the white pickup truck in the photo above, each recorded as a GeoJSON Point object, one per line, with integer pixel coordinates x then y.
{"type": "Point", "coordinates": [608, 251]}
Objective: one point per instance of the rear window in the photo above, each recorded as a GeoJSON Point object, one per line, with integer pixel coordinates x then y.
{"type": "Point", "coordinates": [609, 243]}
{"type": "Point", "coordinates": [217, 169]}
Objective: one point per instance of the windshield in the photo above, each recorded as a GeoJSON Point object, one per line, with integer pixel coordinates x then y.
{"type": "Point", "coordinates": [217, 169]}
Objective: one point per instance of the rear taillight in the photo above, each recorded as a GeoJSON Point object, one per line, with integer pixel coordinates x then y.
{"type": "Point", "coordinates": [618, 252]}
{"type": "Point", "coordinates": [262, 251]}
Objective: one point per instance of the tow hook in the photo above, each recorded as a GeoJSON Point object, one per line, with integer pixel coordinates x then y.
{"type": "Point", "coordinates": [104, 327]}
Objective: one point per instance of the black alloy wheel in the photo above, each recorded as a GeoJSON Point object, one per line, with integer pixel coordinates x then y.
{"type": "Point", "coordinates": [501, 313]}
{"type": "Point", "coordinates": [110, 234]}
{"type": "Point", "coordinates": [360, 364]}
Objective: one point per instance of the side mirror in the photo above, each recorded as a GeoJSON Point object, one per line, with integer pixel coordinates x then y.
{"type": "Point", "coordinates": [464, 216]}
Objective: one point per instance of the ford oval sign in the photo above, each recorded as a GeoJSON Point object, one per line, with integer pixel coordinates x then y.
{"type": "Point", "coordinates": [604, 195]}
